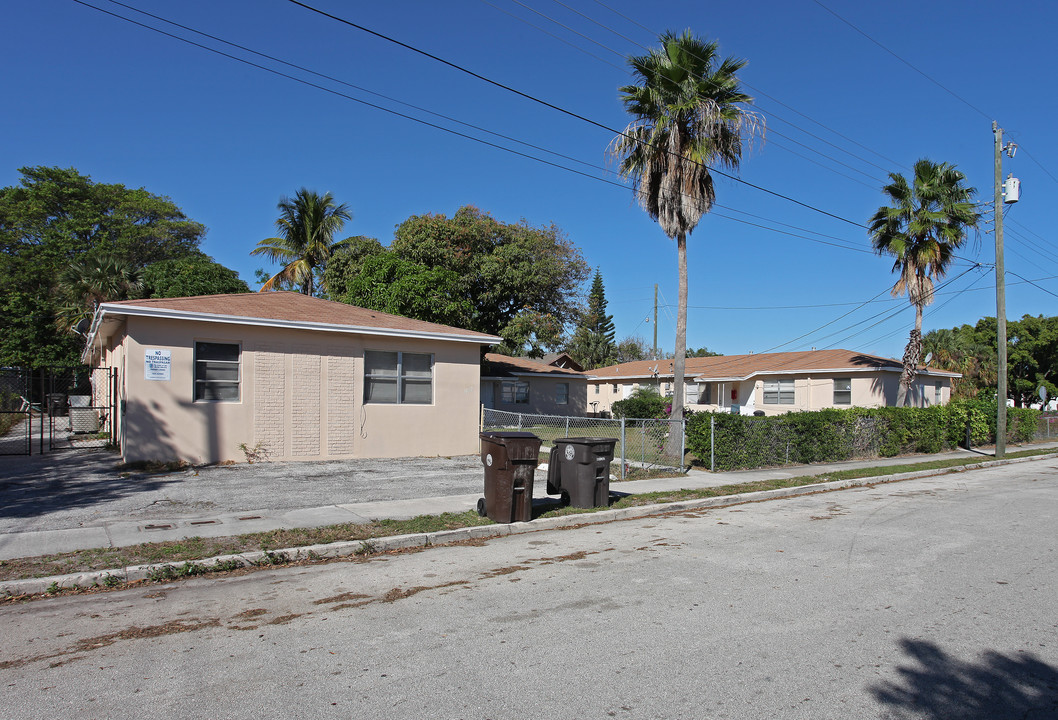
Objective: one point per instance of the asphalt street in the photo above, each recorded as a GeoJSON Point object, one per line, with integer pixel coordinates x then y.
{"type": "Point", "coordinates": [929, 598]}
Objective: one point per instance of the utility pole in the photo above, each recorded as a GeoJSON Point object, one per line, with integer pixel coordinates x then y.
{"type": "Point", "coordinates": [1001, 300]}
{"type": "Point", "coordinates": [655, 321]}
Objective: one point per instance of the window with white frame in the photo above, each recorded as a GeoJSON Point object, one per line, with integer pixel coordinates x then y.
{"type": "Point", "coordinates": [705, 393]}
{"type": "Point", "coordinates": [938, 392]}
{"type": "Point", "coordinates": [614, 387]}
{"type": "Point", "coordinates": [514, 392]}
{"type": "Point", "coordinates": [401, 378]}
{"type": "Point", "coordinates": [217, 372]}
{"type": "Point", "coordinates": [778, 392]}
{"type": "Point", "coordinates": [562, 393]}
{"type": "Point", "coordinates": [596, 388]}
{"type": "Point", "coordinates": [842, 391]}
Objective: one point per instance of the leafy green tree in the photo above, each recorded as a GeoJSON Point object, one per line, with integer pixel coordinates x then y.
{"type": "Point", "coordinates": [520, 281]}
{"type": "Point", "coordinates": [189, 276]}
{"type": "Point", "coordinates": [593, 342]}
{"type": "Point", "coordinates": [702, 352]}
{"type": "Point", "coordinates": [53, 218]}
{"type": "Point", "coordinates": [307, 226]}
{"type": "Point", "coordinates": [688, 114]}
{"type": "Point", "coordinates": [926, 223]}
{"type": "Point", "coordinates": [389, 284]}
{"type": "Point", "coordinates": [347, 262]}
{"type": "Point", "coordinates": [1032, 358]}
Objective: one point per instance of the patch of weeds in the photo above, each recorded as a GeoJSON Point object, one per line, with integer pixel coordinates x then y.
{"type": "Point", "coordinates": [255, 454]}
{"type": "Point", "coordinates": [273, 558]}
{"type": "Point", "coordinates": [155, 466]}
{"type": "Point", "coordinates": [53, 588]}
{"type": "Point", "coordinates": [366, 548]}
{"type": "Point", "coordinates": [111, 581]}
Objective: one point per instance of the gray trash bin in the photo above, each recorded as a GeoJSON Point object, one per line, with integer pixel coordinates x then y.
{"type": "Point", "coordinates": [510, 460]}
{"type": "Point", "coordinates": [579, 470]}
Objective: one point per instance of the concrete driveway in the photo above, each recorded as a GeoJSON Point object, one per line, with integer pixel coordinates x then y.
{"type": "Point", "coordinates": [73, 489]}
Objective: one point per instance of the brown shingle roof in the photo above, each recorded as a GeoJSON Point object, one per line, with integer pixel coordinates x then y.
{"type": "Point", "coordinates": [497, 365]}
{"type": "Point", "coordinates": [288, 308]}
{"type": "Point", "coordinates": [731, 367]}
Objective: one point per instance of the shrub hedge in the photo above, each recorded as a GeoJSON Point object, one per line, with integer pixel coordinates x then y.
{"type": "Point", "coordinates": [831, 435]}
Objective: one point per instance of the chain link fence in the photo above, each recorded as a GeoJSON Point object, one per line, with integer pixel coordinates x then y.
{"type": "Point", "coordinates": [643, 445]}
{"type": "Point", "coordinates": [45, 409]}
{"type": "Point", "coordinates": [1047, 428]}
{"type": "Point", "coordinates": [15, 411]}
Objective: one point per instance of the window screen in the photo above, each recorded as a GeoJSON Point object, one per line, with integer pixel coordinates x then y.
{"type": "Point", "coordinates": [562, 393]}
{"type": "Point", "coordinates": [514, 392]}
{"type": "Point", "coordinates": [398, 377]}
{"type": "Point", "coordinates": [778, 392]}
{"type": "Point", "coordinates": [842, 391]}
{"type": "Point", "coordinates": [216, 372]}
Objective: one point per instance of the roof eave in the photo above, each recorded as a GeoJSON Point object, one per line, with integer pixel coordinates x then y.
{"type": "Point", "coordinates": [169, 314]}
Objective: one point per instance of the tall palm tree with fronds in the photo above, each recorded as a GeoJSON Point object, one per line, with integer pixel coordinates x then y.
{"type": "Point", "coordinates": [99, 276]}
{"type": "Point", "coordinates": [688, 113]}
{"type": "Point", "coordinates": [927, 221]}
{"type": "Point", "coordinates": [307, 226]}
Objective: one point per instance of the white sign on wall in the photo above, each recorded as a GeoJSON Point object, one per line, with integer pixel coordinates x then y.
{"type": "Point", "coordinates": [156, 364]}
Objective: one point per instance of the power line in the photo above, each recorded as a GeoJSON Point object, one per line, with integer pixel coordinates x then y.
{"type": "Point", "coordinates": [554, 107]}
{"type": "Point", "coordinates": [435, 126]}
{"type": "Point", "coordinates": [1038, 287]}
{"type": "Point", "coordinates": [779, 102]}
{"type": "Point", "coordinates": [910, 65]}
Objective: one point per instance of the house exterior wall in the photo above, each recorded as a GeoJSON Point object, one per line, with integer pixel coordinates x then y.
{"type": "Point", "coordinates": [543, 394]}
{"type": "Point", "coordinates": [300, 397]}
{"type": "Point", "coordinates": [811, 392]}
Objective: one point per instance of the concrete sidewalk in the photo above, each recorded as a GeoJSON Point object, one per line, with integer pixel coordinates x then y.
{"type": "Point", "coordinates": [125, 532]}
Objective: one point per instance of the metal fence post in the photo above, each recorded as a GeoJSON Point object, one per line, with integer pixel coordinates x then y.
{"type": "Point", "coordinates": [519, 421]}
{"type": "Point", "coordinates": [567, 426]}
{"type": "Point", "coordinates": [683, 442]}
{"type": "Point", "coordinates": [712, 444]}
{"type": "Point", "coordinates": [623, 453]}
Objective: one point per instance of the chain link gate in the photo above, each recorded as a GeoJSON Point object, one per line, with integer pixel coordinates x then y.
{"type": "Point", "coordinates": [16, 411]}
{"type": "Point", "coordinates": [56, 409]}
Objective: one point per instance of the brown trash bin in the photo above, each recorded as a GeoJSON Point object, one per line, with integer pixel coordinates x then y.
{"type": "Point", "coordinates": [579, 469]}
{"type": "Point", "coordinates": [510, 460]}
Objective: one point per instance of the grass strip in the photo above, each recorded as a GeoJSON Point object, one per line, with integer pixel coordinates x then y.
{"type": "Point", "coordinates": [198, 548]}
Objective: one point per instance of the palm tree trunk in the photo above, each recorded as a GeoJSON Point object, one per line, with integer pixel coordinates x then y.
{"type": "Point", "coordinates": [912, 353]}
{"type": "Point", "coordinates": [674, 444]}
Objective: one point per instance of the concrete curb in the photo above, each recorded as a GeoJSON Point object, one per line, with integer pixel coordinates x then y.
{"type": "Point", "coordinates": [262, 558]}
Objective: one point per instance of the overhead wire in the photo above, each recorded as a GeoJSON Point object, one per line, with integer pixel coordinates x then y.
{"type": "Point", "coordinates": [421, 109]}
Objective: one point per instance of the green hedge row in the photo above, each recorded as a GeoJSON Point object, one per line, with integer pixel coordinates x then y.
{"type": "Point", "coordinates": [744, 442]}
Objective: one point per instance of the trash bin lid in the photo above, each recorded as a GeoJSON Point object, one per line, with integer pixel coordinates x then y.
{"type": "Point", "coordinates": [586, 440]}
{"type": "Point", "coordinates": [497, 436]}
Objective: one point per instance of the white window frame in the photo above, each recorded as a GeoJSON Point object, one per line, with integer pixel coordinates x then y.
{"type": "Point", "coordinates": [401, 378]}
{"type": "Point", "coordinates": [562, 393]}
{"type": "Point", "coordinates": [201, 383]}
{"type": "Point", "coordinates": [779, 392]}
{"type": "Point", "coordinates": [843, 381]}
{"type": "Point", "coordinates": [514, 392]}
{"type": "Point", "coordinates": [938, 392]}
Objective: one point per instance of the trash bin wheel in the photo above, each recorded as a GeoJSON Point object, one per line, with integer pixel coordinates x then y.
{"type": "Point", "coordinates": [564, 498]}
{"type": "Point", "coordinates": [481, 507]}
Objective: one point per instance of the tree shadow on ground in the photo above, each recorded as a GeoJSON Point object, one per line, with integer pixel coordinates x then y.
{"type": "Point", "coordinates": [997, 686]}
{"type": "Point", "coordinates": [41, 484]}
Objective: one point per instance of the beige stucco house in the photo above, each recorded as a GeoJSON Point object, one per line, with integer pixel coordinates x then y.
{"type": "Point", "coordinates": [774, 383]}
{"type": "Point", "coordinates": [535, 387]}
{"type": "Point", "coordinates": [294, 377]}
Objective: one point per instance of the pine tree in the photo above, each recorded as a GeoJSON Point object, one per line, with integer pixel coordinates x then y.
{"type": "Point", "coordinates": [593, 341]}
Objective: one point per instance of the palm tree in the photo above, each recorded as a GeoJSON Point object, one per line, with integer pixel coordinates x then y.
{"type": "Point", "coordinates": [688, 113]}
{"type": "Point", "coordinates": [97, 277]}
{"type": "Point", "coordinates": [307, 226]}
{"type": "Point", "coordinates": [926, 223]}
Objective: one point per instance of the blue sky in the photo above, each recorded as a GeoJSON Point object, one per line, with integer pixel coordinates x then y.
{"type": "Point", "coordinates": [225, 140]}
